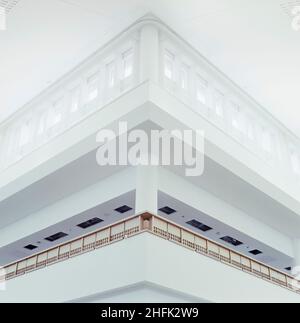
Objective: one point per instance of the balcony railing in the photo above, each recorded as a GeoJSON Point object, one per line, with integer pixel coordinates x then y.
{"type": "Point", "coordinates": [182, 71]}
{"type": "Point", "coordinates": [101, 79]}
{"type": "Point", "coordinates": [160, 227]}
{"type": "Point", "coordinates": [188, 76]}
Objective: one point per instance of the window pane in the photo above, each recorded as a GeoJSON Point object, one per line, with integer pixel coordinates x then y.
{"type": "Point", "coordinates": [127, 58]}
{"type": "Point", "coordinates": [236, 117]}
{"type": "Point", "coordinates": [75, 99]}
{"type": "Point", "coordinates": [201, 90]}
{"type": "Point", "coordinates": [240, 121]}
{"type": "Point", "coordinates": [184, 76]}
{"type": "Point", "coordinates": [55, 115]}
{"type": "Point", "coordinates": [111, 74]}
{"type": "Point", "coordinates": [42, 124]}
{"type": "Point", "coordinates": [169, 65]}
{"type": "Point", "coordinates": [92, 84]}
{"type": "Point", "coordinates": [219, 103]}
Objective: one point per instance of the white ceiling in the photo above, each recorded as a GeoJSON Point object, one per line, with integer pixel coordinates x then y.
{"type": "Point", "coordinates": [107, 213]}
{"type": "Point", "coordinates": [251, 41]}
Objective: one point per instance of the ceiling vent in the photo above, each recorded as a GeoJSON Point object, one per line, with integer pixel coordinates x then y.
{"type": "Point", "coordinates": [8, 5]}
{"type": "Point", "coordinates": [167, 210]}
{"type": "Point", "coordinates": [289, 6]}
{"type": "Point", "coordinates": [232, 241]}
{"type": "Point", "coordinates": [56, 236]}
{"type": "Point", "coordinates": [30, 247]}
{"type": "Point", "coordinates": [89, 223]}
{"type": "Point", "coordinates": [198, 225]}
{"type": "Point", "coordinates": [123, 209]}
{"type": "Point", "coordinates": [255, 252]}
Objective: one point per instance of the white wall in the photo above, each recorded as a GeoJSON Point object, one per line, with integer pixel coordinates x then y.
{"type": "Point", "coordinates": [197, 275]}
{"type": "Point", "coordinates": [138, 259]}
{"type": "Point", "coordinates": [142, 292]}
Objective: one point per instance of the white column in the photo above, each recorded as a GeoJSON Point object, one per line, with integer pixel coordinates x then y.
{"type": "Point", "coordinates": [146, 189]}
{"type": "Point", "coordinates": [149, 53]}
